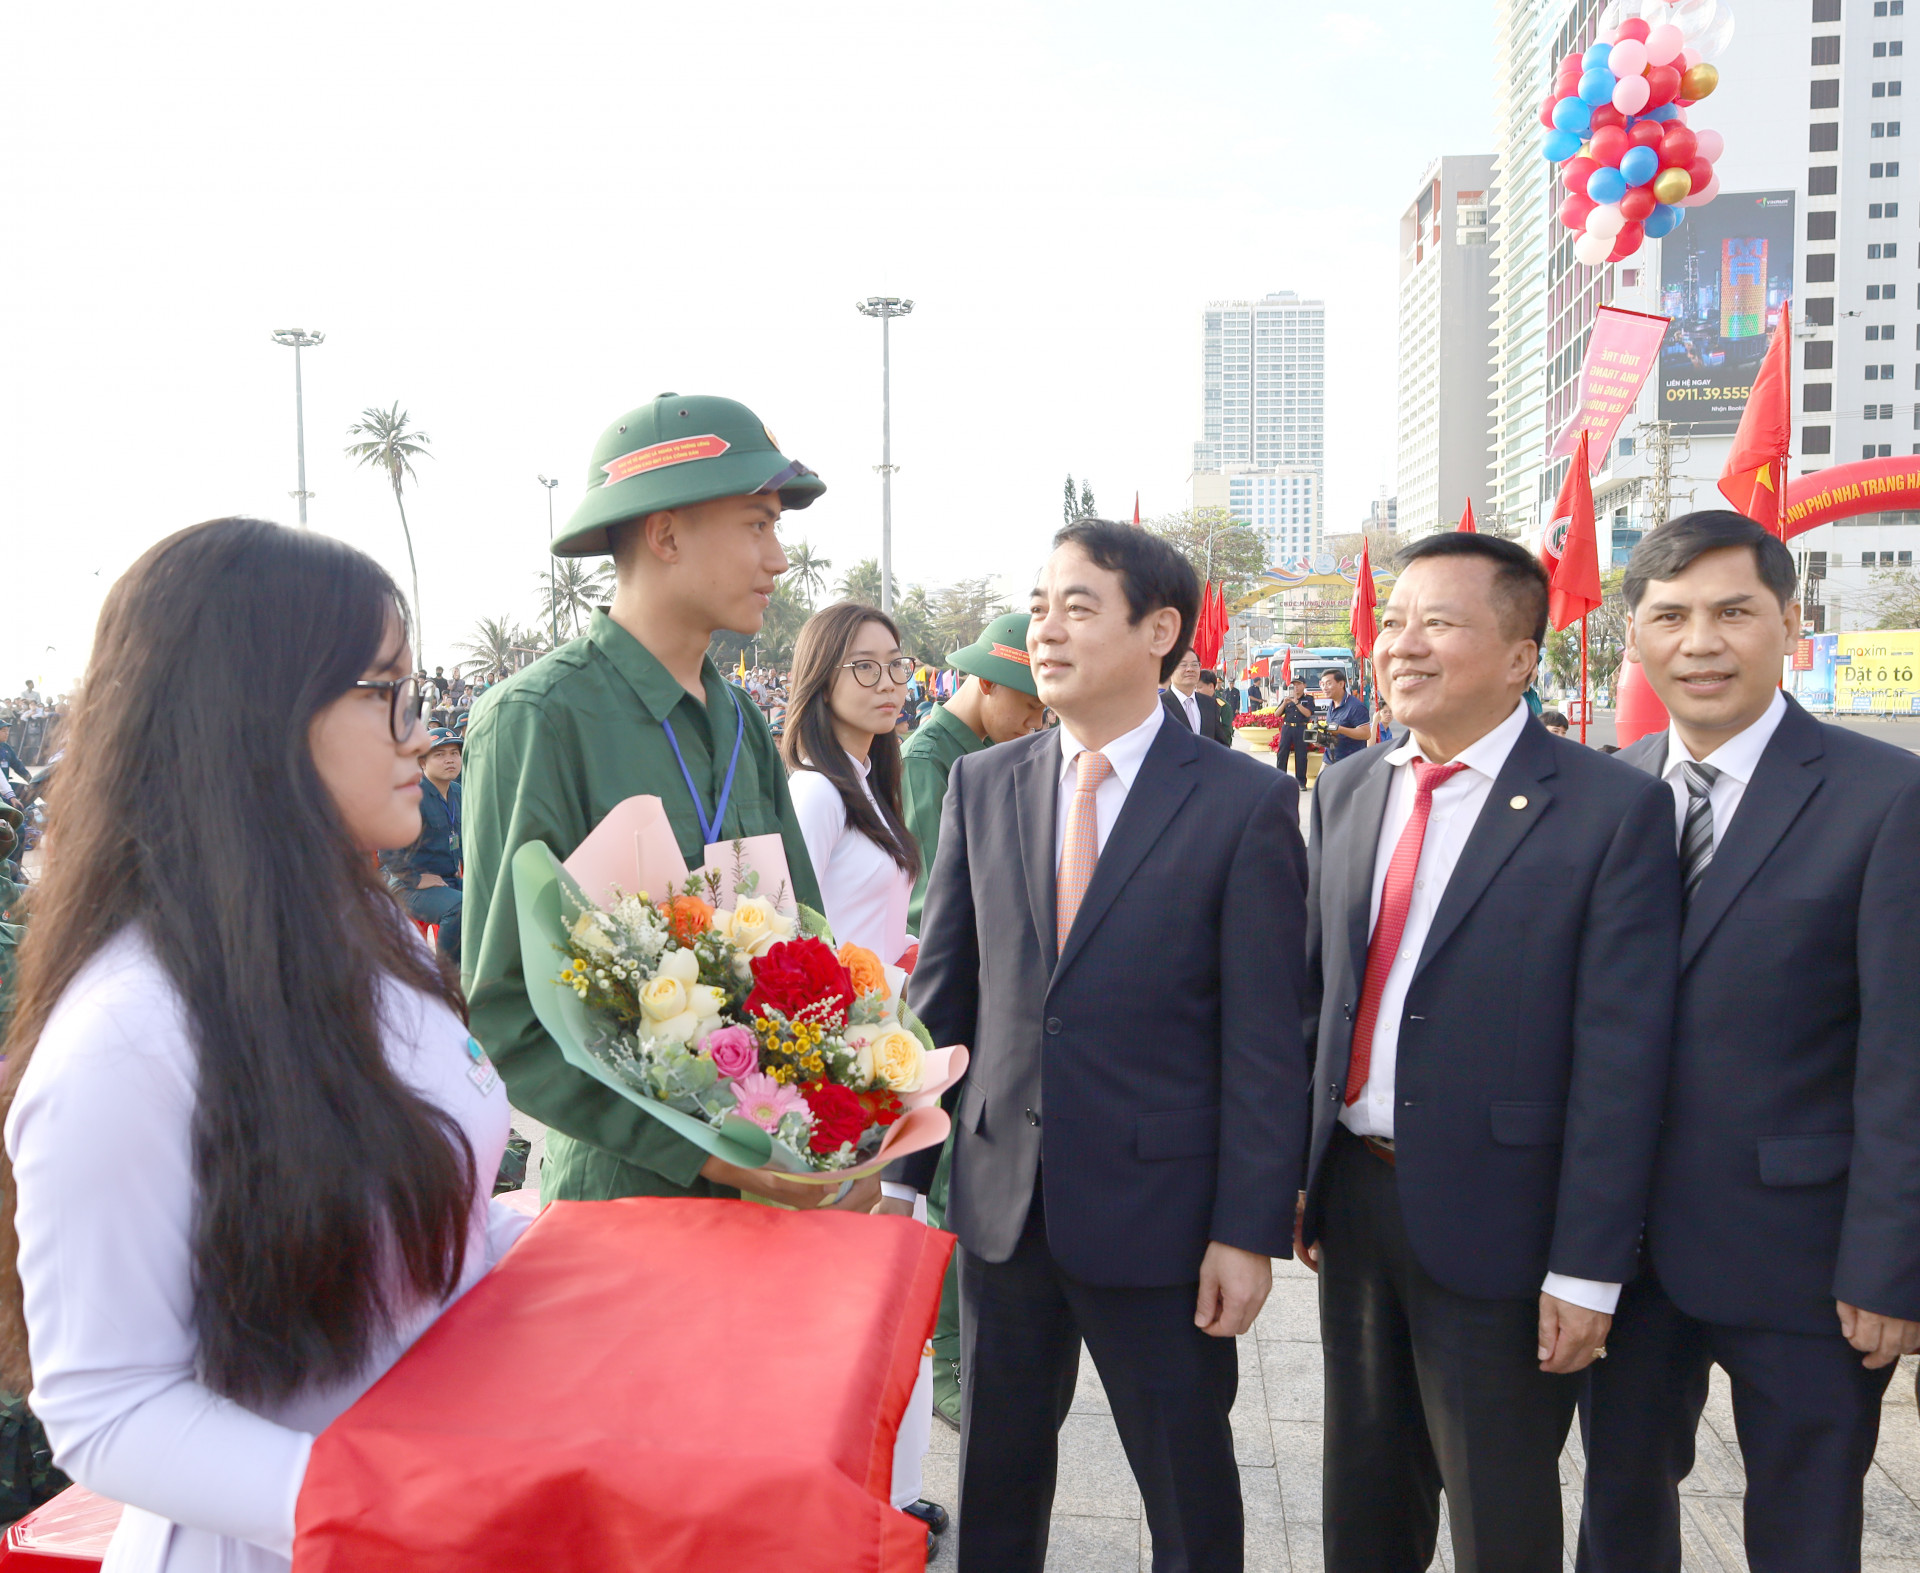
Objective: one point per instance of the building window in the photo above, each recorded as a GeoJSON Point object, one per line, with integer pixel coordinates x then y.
{"type": "Point", "coordinates": [1879, 292]}
{"type": "Point", "coordinates": [1886, 90]}
{"type": "Point", "coordinates": [1826, 49]}
{"type": "Point", "coordinates": [1905, 559]}
{"type": "Point", "coordinates": [1893, 128]}
{"type": "Point", "coordinates": [1873, 412]}
{"type": "Point", "coordinates": [1882, 450]}
{"type": "Point", "coordinates": [1878, 128]}
{"type": "Point", "coordinates": [1873, 332]}
{"type": "Point", "coordinates": [1818, 354]}
{"type": "Point", "coordinates": [1820, 267]}
{"type": "Point", "coordinates": [1816, 439]}
{"type": "Point", "coordinates": [1819, 311]}
{"type": "Point", "coordinates": [1821, 226]}
{"type": "Point", "coordinates": [1823, 180]}
{"type": "Point", "coordinates": [1823, 136]}
{"type": "Point", "coordinates": [1816, 396]}
{"type": "Point", "coordinates": [1826, 10]}
{"type": "Point", "coordinates": [1824, 93]}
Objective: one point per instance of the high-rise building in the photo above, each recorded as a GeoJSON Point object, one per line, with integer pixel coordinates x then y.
{"type": "Point", "coordinates": [1282, 506]}
{"type": "Point", "coordinates": [1445, 328]}
{"type": "Point", "coordinates": [1263, 386]}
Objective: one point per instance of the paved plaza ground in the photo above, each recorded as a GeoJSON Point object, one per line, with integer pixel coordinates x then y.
{"type": "Point", "coordinates": [1098, 1527]}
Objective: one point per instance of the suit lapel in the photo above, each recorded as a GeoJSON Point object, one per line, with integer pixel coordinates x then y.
{"type": "Point", "coordinates": [1036, 798]}
{"type": "Point", "coordinates": [1790, 772]}
{"type": "Point", "coordinates": [1500, 829]}
{"type": "Point", "coordinates": [1361, 830]}
{"type": "Point", "coordinates": [1155, 797]}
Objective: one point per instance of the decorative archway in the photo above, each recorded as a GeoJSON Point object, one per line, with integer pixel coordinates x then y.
{"type": "Point", "coordinates": [1842, 490]}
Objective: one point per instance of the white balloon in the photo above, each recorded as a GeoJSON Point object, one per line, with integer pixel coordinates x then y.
{"type": "Point", "coordinates": [1655, 12]}
{"type": "Point", "coordinates": [1606, 220]}
{"type": "Point", "coordinates": [1713, 39]}
{"type": "Point", "coordinates": [1693, 17]}
{"type": "Point", "coordinates": [1592, 249]}
{"type": "Point", "coordinates": [1616, 12]}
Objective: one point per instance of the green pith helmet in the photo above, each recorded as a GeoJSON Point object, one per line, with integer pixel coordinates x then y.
{"type": "Point", "coordinates": [999, 654]}
{"type": "Point", "coordinates": [676, 451]}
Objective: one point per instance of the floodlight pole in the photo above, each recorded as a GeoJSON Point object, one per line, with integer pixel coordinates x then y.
{"type": "Point", "coordinates": [298, 339]}
{"type": "Point", "coordinates": [553, 593]}
{"type": "Point", "coordinates": [886, 308]}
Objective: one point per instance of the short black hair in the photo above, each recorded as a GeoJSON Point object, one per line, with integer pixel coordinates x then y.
{"type": "Point", "coordinates": [1553, 718]}
{"type": "Point", "coordinates": [1671, 550]}
{"type": "Point", "coordinates": [1334, 672]}
{"type": "Point", "coordinates": [1152, 572]}
{"type": "Point", "coordinates": [1207, 675]}
{"type": "Point", "coordinates": [1519, 580]}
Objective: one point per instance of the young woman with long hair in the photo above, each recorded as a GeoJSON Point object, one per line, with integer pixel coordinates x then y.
{"type": "Point", "coordinates": [849, 682]}
{"type": "Point", "coordinates": [249, 1141]}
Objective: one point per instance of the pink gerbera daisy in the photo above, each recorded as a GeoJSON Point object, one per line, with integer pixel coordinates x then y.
{"type": "Point", "coordinates": [766, 1101]}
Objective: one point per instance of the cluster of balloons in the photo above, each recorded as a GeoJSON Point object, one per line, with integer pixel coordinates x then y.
{"type": "Point", "coordinates": [1617, 119]}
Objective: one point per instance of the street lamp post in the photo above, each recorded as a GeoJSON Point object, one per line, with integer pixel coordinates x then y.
{"type": "Point", "coordinates": [553, 594]}
{"type": "Point", "coordinates": [298, 339]}
{"type": "Point", "coordinates": [886, 308]}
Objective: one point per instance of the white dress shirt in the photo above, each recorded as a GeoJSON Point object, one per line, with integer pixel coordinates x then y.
{"type": "Point", "coordinates": [1457, 803]}
{"type": "Point", "coordinates": [1125, 753]}
{"type": "Point", "coordinates": [102, 1144]}
{"type": "Point", "coordinates": [865, 891]}
{"type": "Point", "coordinates": [1736, 759]}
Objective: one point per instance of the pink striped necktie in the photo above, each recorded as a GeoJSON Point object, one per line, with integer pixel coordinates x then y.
{"type": "Point", "coordinates": [1080, 851]}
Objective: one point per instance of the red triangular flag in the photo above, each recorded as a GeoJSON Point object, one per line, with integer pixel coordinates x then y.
{"type": "Point", "coordinates": [1755, 477]}
{"type": "Point", "coordinates": [1286, 668]}
{"type": "Point", "coordinates": [1136, 510]}
{"type": "Point", "coordinates": [1360, 617]}
{"type": "Point", "coordinates": [1466, 524]}
{"type": "Point", "coordinates": [1574, 585]}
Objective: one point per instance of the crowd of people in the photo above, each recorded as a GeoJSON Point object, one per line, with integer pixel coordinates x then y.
{"type": "Point", "coordinates": [1570, 1076]}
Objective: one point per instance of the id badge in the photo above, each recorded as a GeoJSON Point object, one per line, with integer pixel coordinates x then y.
{"type": "Point", "coordinates": [481, 1072]}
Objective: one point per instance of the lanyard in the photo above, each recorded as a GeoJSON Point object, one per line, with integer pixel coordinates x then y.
{"type": "Point", "coordinates": [710, 830]}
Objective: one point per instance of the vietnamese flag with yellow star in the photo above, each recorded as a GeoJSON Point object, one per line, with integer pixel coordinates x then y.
{"type": "Point", "coordinates": [1755, 477]}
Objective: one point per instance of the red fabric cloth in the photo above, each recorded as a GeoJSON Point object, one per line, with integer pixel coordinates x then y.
{"type": "Point", "coordinates": [1574, 574]}
{"type": "Point", "coordinates": [70, 1534]}
{"type": "Point", "coordinates": [1396, 898]}
{"type": "Point", "coordinates": [649, 1385]}
{"type": "Point", "coordinates": [1755, 477]}
{"type": "Point", "coordinates": [1360, 615]}
{"type": "Point", "coordinates": [1466, 525]}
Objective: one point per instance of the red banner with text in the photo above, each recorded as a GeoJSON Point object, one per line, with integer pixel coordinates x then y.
{"type": "Point", "coordinates": [1621, 353]}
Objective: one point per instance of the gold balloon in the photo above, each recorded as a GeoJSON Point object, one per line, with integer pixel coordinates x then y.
{"type": "Point", "coordinates": [1698, 81]}
{"type": "Point", "coordinates": [1670, 185]}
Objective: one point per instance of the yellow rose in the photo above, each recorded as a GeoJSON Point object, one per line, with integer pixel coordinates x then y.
{"type": "Point", "coordinates": [755, 924]}
{"type": "Point", "coordinates": [897, 1060]}
{"type": "Point", "coordinates": [663, 998]}
{"type": "Point", "coordinates": [589, 935]}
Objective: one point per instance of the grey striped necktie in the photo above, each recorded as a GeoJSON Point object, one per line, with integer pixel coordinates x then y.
{"type": "Point", "coordinates": [1696, 834]}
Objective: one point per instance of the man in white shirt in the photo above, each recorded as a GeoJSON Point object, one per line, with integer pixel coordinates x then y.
{"type": "Point", "coordinates": [1491, 959]}
{"type": "Point", "coordinates": [1182, 698]}
{"type": "Point", "coordinates": [1783, 1232]}
{"type": "Point", "coordinates": [1115, 927]}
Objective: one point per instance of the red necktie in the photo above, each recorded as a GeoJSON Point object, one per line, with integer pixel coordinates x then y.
{"type": "Point", "coordinates": [1396, 896]}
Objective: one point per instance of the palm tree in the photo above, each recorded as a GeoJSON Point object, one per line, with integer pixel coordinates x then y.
{"type": "Point", "coordinates": [392, 447]}
{"type": "Point", "coordinates": [808, 570]}
{"type": "Point", "coordinates": [576, 590]}
{"type": "Point", "coordinates": [492, 645]}
{"type": "Point", "coordinates": [861, 582]}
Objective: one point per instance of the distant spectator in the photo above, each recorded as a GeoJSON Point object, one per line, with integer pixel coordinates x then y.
{"type": "Point", "coordinates": [1554, 722]}
{"type": "Point", "coordinates": [426, 875]}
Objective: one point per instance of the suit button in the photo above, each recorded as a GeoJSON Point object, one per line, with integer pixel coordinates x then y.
{"type": "Point", "coordinates": [1032, 1118]}
{"type": "Point", "coordinates": [1053, 1025]}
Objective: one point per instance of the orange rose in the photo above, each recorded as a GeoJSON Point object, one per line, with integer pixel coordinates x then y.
{"type": "Point", "coordinates": [869, 976]}
{"type": "Point", "coordinates": [689, 917]}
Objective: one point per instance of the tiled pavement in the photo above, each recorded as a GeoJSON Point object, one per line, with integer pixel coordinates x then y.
{"type": "Point", "coordinates": [1097, 1522]}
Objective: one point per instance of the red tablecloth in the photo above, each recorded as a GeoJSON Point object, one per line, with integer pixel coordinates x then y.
{"type": "Point", "coordinates": [669, 1386]}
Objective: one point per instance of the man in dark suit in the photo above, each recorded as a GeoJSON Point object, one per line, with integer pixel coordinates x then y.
{"type": "Point", "coordinates": [1783, 1234]}
{"type": "Point", "coordinates": [1491, 940]}
{"type": "Point", "coordinates": [1115, 926]}
{"type": "Point", "coordinates": [1195, 711]}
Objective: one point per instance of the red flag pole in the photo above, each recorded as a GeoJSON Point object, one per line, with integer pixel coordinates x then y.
{"type": "Point", "coordinates": [1586, 704]}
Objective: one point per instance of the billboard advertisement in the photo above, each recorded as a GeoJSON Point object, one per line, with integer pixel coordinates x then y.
{"type": "Point", "coordinates": [1874, 672]}
{"type": "Point", "coordinates": [1723, 275]}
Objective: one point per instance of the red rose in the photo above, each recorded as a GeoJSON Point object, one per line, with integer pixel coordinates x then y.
{"type": "Point", "coordinates": [838, 1116]}
{"type": "Point", "coordinates": [882, 1106]}
{"type": "Point", "coordinates": [797, 973]}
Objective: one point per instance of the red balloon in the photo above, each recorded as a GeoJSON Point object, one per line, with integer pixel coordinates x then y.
{"type": "Point", "coordinates": [1546, 112]}
{"type": "Point", "coordinates": [1663, 82]}
{"type": "Point", "coordinates": [1574, 63]}
{"type": "Point", "coordinates": [1605, 115]}
{"type": "Point", "coordinates": [1579, 171]}
{"type": "Point", "coordinates": [1636, 28]}
{"type": "Point", "coordinates": [1627, 242]}
{"type": "Point", "coordinates": [1645, 133]}
{"type": "Point", "coordinates": [1700, 173]}
{"type": "Point", "coordinates": [1607, 146]}
{"type": "Point", "coordinates": [1679, 147]}
{"type": "Point", "coordinates": [1574, 211]}
{"type": "Point", "coordinates": [1638, 202]}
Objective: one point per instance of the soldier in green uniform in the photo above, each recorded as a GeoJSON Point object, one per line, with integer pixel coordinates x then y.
{"type": "Point", "coordinates": [686, 494]}
{"type": "Point", "coordinates": [996, 704]}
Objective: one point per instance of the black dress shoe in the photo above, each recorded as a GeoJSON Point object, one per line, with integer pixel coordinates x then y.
{"type": "Point", "coordinates": [932, 1514]}
{"type": "Point", "coordinates": [933, 1545]}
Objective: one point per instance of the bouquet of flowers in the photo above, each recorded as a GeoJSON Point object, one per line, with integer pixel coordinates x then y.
{"type": "Point", "coordinates": [721, 1007]}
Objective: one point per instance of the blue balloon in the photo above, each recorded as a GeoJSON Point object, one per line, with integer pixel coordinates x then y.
{"type": "Point", "coordinates": [1638, 165]}
{"type": "Point", "coordinates": [1663, 114]}
{"type": "Point", "coordinates": [1606, 185]}
{"type": "Point", "coordinates": [1596, 57]}
{"type": "Point", "coordinates": [1572, 114]}
{"type": "Point", "coordinates": [1596, 86]}
{"type": "Point", "coordinates": [1559, 146]}
{"type": "Point", "coordinates": [1663, 220]}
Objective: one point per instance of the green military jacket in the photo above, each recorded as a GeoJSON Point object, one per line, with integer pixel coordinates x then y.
{"type": "Point", "coordinates": [925, 764]}
{"type": "Point", "coordinates": [549, 753]}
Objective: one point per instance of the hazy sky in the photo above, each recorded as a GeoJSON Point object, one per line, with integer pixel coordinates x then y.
{"type": "Point", "coordinates": [522, 221]}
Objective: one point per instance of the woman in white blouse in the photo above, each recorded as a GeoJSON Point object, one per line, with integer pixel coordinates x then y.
{"type": "Point", "coordinates": [849, 681]}
{"type": "Point", "coordinates": [251, 1143]}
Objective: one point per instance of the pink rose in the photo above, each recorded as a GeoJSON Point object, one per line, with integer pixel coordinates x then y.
{"type": "Point", "coordinates": [735, 1051]}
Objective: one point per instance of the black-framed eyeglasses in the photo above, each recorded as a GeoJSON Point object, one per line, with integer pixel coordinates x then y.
{"type": "Point", "coordinates": [867, 673]}
{"type": "Point", "coordinates": [403, 701]}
